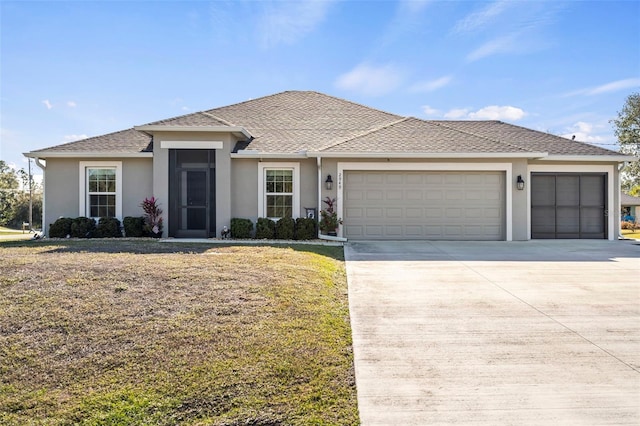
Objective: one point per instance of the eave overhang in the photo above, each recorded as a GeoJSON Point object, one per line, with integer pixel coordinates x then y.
{"type": "Point", "coordinates": [591, 158]}
{"type": "Point", "coordinates": [236, 130]}
{"type": "Point", "coordinates": [257, 154]}
{"type": "Point", "coordinates": [85, 154]}
{"type": "Point", "coordinates": [405, 155]}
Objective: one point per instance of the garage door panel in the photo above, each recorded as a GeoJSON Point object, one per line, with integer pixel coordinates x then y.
{"type": "Point", "coordinates": [425, 205]}
{"type": "Point", "coordinates": [353, 194]}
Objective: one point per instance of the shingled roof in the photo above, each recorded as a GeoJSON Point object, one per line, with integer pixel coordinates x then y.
{"type": "Point", "coordinates": [128, 141]}
{"type": "Point", "coordinates": [296, 122]}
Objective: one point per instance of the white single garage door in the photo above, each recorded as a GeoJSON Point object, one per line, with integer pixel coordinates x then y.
{"type": "Point", "coordinates": [424, 205]}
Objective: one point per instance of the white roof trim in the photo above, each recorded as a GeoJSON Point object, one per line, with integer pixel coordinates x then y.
{"type": "Point", "coordinates": [534, 155]}
{"type": "Point", "coordinates": [221, 129]}
{"type": "Point", "coordinates": [591, 158]}
{"type": "Point", "coordinates": [87, 154]}
{"type": "Point", "coordinates": [258, 154]}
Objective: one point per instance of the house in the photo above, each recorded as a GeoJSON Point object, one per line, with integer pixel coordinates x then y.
{"type": "Point", "coordinates": [629, 206]}
{"type": "Point", "coordinates": [394, 177]}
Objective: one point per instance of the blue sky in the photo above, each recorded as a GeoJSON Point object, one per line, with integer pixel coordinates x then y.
{"type": "Point", "coordinates": [72, 69]}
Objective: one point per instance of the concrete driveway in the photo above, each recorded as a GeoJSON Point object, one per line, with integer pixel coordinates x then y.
{"type": "Point", "coordinates": [496, 333]}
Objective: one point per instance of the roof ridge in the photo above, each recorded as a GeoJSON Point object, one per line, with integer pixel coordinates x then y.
{"type": "Point", "coordinates": [439, 123]}
{"type": "Point", "coordinates": [367, 132]}
{"type": "Point", "coordinates": [208, 114]}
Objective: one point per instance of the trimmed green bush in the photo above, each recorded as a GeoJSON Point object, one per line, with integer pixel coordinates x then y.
{"type": "Point", "coordinates": [133, 226]}
{"type": "Point", "coordinates": [60, 228]}
{"type": "Point", "coordinates": [265, 228]}
{"type": "Point", "coordinates": [241, 228]}
{"type": "Point", "coordinates": [83, 227]}
{"type": "Point", "coordinates": [285, 227]}
{"type": "Point", "coordinates": [108, 227]}
{"type": "Point", "coordinates": [305, 228]}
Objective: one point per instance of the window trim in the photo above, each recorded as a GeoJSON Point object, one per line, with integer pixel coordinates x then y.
{"type": "Point", "coordinates": [84, 184]}
{"type": "Point", "coordinates": [262, 193]}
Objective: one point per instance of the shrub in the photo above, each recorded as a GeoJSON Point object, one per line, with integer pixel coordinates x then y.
{"type": "Point", "coordinates": [133, 226]}
{"type": "Point", "coordinates": [83, 227]}
{"type": "Point", "coordinates": [265, 228]}
{"type": "Point", "coordinates": [60, 228]}
{"type": "Point", "coordinates": [285, 228]}
{"type": "Point", "coordinates": [152, 217]}
{"type": "Point", "coordinates": [241, 228]}
{"type": "Point", "coordinates": [108, 227]}
{"type": "Point", "coordinates": [305, 228]}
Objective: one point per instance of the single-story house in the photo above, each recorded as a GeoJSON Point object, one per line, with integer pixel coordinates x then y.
{"type": "Point", "coordinates": [629, 205]}
{"type": "Point", "coordinates": [393, 177]}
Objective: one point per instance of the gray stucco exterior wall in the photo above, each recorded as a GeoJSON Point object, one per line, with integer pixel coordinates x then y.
{"type": "Point", "coordinates": [62, 192]}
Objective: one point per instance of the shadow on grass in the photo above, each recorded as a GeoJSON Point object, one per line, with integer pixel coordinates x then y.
{"type": "Point", "coordinates": [153, 246]}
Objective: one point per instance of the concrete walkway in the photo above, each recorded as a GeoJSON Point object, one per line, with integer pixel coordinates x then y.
{"type": "Point", "coordinates": [496, 333]}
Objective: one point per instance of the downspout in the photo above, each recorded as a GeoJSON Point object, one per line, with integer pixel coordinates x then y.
{"type": "Point", "coordinates": [43, 166]}
{"type": "Point", "coordinates": [319, 162]}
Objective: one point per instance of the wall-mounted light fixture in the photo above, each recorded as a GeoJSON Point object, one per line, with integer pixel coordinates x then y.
{"type": "Point", "coordinates": [520, 183]}
{"type": "Point", "coordinates": [328, 183]}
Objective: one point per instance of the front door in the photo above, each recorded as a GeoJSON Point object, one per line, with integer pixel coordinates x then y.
{"type": "Point", "coordinates": [192, 193]}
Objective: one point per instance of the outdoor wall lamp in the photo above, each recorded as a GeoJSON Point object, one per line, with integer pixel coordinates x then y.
{"type": "Point", "coordinates": [520, 183]}
{"type": "Point", "coordinates": [329, 183]}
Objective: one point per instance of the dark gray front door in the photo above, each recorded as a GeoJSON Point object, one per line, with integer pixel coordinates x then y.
{"type": "Point", "coordinates": [568, 205]}
{"type": "Point", "coordinates": [192, 193]}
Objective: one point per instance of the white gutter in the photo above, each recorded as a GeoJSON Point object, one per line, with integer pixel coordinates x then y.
{"type": "Point", "coordinates": [410, 155]}
{"type": "Point", "coordinates": [590, 158]}
{"type": "Point", "coordinates": [221, 129]}
{"type": "Point", "coordinates": [87, 154]}
{"type": "Point", "coordinates": [260, 155]}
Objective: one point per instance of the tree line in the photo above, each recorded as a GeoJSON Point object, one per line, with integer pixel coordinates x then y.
{"type": "Point", "coordinates": [14, 198]}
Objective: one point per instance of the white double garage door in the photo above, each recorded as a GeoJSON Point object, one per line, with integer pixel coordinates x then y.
{"type": "Point", "coordinates": [430, 205]}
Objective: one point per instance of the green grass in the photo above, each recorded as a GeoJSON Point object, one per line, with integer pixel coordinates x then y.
{"type": "Point", "coordinates": [141, 332]}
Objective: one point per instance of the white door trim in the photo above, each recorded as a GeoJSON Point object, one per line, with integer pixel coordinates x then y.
{"type": "Point", "coordinates": [568, 168]}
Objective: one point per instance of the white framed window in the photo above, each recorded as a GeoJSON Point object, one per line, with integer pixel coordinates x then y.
{"type": "Point", "coordinates": [278, 190]}
{"type": "Point", "coordinates": [100, 189]}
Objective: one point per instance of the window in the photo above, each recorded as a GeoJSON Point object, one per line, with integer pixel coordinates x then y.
{"type": "Point", "coordinates": [278, 191]}
{"type": "Point", "coordinates": [101, 189]}
{"type": "Point", "coordinates": [102, 192]}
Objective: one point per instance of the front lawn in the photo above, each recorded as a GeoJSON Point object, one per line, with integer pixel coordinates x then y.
{"type": "Point", "coordinates": [141, 332]}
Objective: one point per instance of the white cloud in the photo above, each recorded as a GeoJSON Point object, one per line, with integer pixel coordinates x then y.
{"type": "Point", "coordinates": [430, 111]}
{"type": "Point", "coordinates": [413, 6]}
{"type": "Point", "coordinates": [371, 80]}
{"type": "Point", "coordinates": [586, 132]}
{"type": "Point", "coordinates": [494, 112]}
{"type": "Point", "coordinates": [48, 104]}
{"type": "Point", "coordinates": [287, 22]}
{"type": "Point", "coordinates": [71, 104]}
{"type": "Point", "coordinates": [613, 86]}
{"type": "Point", "coordinates": [430, 86]}
{"type": "Point", "coordinates": [506, 44]}
{"type": "Point", "coordinates": [481, 19]}
{"type": "Point", "coordinates": [456, 113]}
{"type": "Point", "coordinates": [73, 138]}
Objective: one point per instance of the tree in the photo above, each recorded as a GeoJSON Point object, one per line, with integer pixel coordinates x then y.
{"type": "Point", "coordinates": [627, 130]}
{"type": "Point", "coordinates": [8, 191]}
{"type": "Point", "coordinates": [14, 200]}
